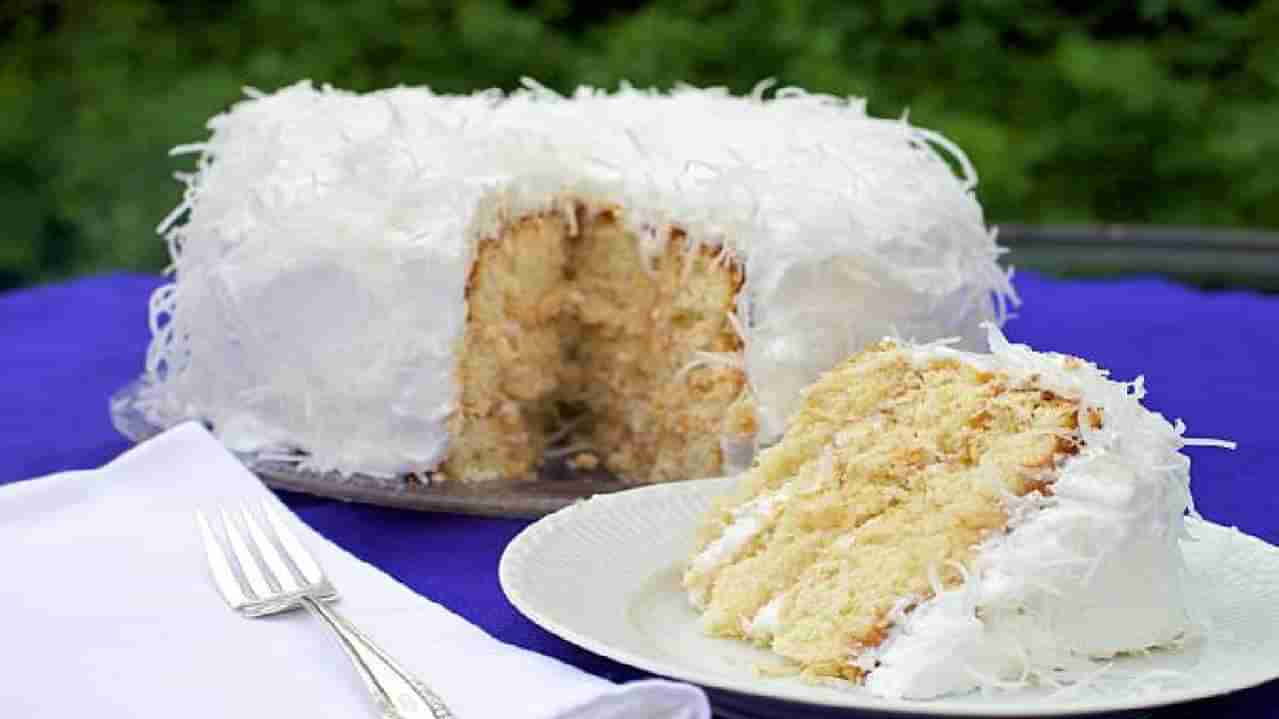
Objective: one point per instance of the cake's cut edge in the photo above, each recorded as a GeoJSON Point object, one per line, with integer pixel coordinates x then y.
{"type": "Point", "coordinates": [579, 336]}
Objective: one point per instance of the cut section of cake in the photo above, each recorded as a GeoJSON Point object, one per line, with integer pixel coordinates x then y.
{"type": "Point", "coordinates": [936, 520]}
{"type": "Point", "coordinates": [569, 326]}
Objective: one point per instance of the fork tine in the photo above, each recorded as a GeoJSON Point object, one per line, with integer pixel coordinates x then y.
{"type": "Point", "coordinates": [293, 548]}
{"type": "Point", "coordinates": [220, 565]}
{"type": "Point", "coordinates": [266, 550]}
{"type": "Point", "coordinates": [249, 566]}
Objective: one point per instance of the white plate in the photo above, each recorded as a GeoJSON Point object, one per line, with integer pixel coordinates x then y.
{"type": "Point", "coordinates": [604, 574]}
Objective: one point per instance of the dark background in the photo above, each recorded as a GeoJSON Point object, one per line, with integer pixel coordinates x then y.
{"type": "Point", "coordinates": [1153, 111]}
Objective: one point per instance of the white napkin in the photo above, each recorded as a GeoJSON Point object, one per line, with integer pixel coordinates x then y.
{"type": "Point", "coordinates": [107, 611]}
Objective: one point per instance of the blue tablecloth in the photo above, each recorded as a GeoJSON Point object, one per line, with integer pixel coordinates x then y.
{"type": "Point", "coordinates": [1210, 358]}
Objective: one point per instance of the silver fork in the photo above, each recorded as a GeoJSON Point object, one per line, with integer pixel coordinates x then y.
{"type": "Point", "coordinates": [271, 572]}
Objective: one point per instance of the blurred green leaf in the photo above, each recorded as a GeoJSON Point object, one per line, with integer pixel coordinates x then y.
{"type": "Point", "coordinates": [1160, 111]}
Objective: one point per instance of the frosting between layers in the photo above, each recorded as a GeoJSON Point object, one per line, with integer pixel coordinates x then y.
{"type": "Point", "coordinates": [323, 243]}
{"type": "Point", "coordinates": [766, 621]}
{"type": "Point", "coordinates": [748, 521]}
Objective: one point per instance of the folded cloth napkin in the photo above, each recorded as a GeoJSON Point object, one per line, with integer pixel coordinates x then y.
{"type": "Point", "coordinates": [108, 610]}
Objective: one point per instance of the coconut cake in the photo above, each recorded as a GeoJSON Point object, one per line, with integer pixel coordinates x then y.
{"type": "Point", "coordinates": [405, 282]}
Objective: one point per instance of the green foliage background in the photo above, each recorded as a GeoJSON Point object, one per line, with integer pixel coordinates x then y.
{"type": "Point", "coordinates": [1151, 111]}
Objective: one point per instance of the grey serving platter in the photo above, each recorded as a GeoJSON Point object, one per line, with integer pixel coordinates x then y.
{"type": "Point", "coordinates": [556, 486]}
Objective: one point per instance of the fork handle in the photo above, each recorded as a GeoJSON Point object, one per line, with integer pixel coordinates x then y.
{"type": "Point", "coordinates": [397, 694]}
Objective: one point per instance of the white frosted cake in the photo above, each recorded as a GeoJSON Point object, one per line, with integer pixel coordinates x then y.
{"type": "Point", "coordinates": [935, 520]}
{"type": "Point", "coordinates": [405, 282]}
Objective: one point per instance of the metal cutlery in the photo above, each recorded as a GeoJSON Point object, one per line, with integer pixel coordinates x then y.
{"type": "Point", "coordinates": [268, 571]}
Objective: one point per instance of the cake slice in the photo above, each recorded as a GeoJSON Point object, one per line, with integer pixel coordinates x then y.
{"type": "Point", "coordinates": [936, 520]}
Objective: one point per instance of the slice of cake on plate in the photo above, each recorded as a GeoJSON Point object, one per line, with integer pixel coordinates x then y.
{"type": "Point", "coordinates": [935, 520]}
{"type": "Point", "coordinates": [405, 282]}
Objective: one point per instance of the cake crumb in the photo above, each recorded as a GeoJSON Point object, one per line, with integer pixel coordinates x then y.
{"type": "Point", "coordinates": [584, 461]}
{"type": "Point", "coordinates": [775, 670]}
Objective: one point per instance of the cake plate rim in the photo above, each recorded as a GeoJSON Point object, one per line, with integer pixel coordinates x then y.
{"type": "Point", "coordinates": [557, 486]}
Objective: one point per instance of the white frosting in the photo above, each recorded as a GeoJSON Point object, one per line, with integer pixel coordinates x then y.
{"type": "Point", "coordinates": [749, 520]}
{"type": "Point", "coordinates": [1092, 570]}
{"type": "Point", "coordinates": [766, 621]}
{"type": "Point", "coordinates": [319, 296]}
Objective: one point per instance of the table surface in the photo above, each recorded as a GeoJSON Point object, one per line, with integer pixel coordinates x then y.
{"type": "Point", "coordinates": [1208, 358]}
